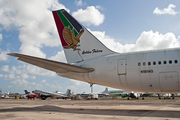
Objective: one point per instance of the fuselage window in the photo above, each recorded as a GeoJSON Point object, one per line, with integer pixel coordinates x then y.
{"type": "Point", "coordinates": [165, 62]}
{"type": "Point", "coordinates": [139, 64]}
{"type": "Point", "coordinates": [144, 63]}
{"type": "Point", "coordinates": [175, 61]}
{"type": "Point", "coordinates": [159, 62]}
{"type": "Point", "coordinates": [149, 63]}
{"type": "Point", "coordinates": [154, 63]}
{"type": "Point", "coordinates": [170, 62]}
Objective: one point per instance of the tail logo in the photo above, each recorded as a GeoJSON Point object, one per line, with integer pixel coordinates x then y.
{"type": "Point", "coordinates": [71, 39]}
{"type": "Point", "coordinates": [69, 29]}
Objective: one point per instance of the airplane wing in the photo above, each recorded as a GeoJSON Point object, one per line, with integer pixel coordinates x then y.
{"type": "Point", "coordinates": [55, 66]}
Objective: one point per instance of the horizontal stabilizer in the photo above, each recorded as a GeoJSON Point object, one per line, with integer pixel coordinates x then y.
{"type": "Point", "coordinates": [55, 66]}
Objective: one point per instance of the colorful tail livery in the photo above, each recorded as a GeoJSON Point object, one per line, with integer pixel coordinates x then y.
{"type": "Point", "coordinates": [78, 43]}
{"type": "Point", "coordinates": [26, 92]}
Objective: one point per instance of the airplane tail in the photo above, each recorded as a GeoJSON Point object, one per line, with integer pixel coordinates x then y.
{"type": "Point", "coordinates": [78, 43]}
{"type": "Point", "coordinates": [26, 92]}
{"type": "Point", "coordinates": [105, 91]}
{"type": "Point", "coordinates": [68, 93]}
{"type": "Point", "coordinates": [0, 91]}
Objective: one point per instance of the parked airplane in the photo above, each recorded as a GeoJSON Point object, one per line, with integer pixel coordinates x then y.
{"type": "Point", "coordinates": [104, 93]}
{"type": "Point", "coordinates": [113, 92]}
{"type": "Point", "coordinates": [4, 95]}
{"type": "Point", "coordinates": [44, 94]}
{"type": "Point", "coordinates": [123, 93]}
{"type": "Point", "coordinates": [154, 71]}
{"type": "Point", "coordinates": [31, 96]}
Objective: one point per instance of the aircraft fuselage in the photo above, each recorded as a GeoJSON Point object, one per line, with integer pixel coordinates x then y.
{"type": "Point", "coordinates": [149, 71]}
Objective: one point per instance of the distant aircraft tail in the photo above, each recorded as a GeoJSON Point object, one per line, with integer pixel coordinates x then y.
{"type": "Point", "coordinates": [78, 43]}
{"type": "Point", "coordinates": [68, 93]}
{"type": "Point", "coordinates": [26, 92]}
{"type": "Point", "coordinates": [105, 91]}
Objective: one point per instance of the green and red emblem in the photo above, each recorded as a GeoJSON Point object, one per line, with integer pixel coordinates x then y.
{"type": "Point", "coordinates": [68, 28]}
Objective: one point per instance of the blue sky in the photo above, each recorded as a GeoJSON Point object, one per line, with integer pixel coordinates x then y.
{"type": "Point", "coordinates": [28, 27]}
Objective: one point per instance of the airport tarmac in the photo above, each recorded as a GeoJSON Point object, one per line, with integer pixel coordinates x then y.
{"type": "Point", "coordinates": [52, 109]}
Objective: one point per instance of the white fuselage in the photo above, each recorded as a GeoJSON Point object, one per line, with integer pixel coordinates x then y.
{"type": "Point", "coordinates": [149, 71]}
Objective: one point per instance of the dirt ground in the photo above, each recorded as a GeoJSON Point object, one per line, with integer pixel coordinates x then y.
{"type": "Point", "coordinates": [23, 109]}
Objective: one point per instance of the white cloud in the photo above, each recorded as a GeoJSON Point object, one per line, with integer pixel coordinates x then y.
{"type": "Point", "coordinates": [32, 77]}
{"type": "Point", "coordinates": [16, 70]}
{"type": "Point", "coordinates": [19, 76]}
{"type": "Point", "coordinates": [24, 76]}
{"type": "Point", "coordinates": [5, 68]}
{"type": "Point", "coordinates": [60, 57]}
{"type": "Point", "coordinates": [169, 10]}
{"type": "Point", "coordinates": [19, 70]}
{"type": "Point", "coordinates": [9, 77]}
{"type": "Point", "coordinates": [13, 70]}
{"type": "Point", "coordinates": [0, 37]}
{"type": "Point", "coordinates": [35, 24]}
{"type": "Point", "coordinates": [53, 87]}
{"type": "Point", "coordinates": [23, 84]}
{"type": "Point", "coordinates": [3, 55]}
{"type": "Point", "coordinates": [20, 83]}
{"type": "Point", "coordinates": [148, 40]}
{"type": "Point", "coordinates": [89, 16]}
{"type": "Point", "coordinates": [74, 85]}
{"type": "Point", "coordinates": [111, 43]}
{"type": "Point", "coordinates": [1, 75]}
{"type": "Point", "coordinates": [39, 71]}
{"type": "Point", "coordinates": [99, 7]}
{"type": "Point", "coordinates": [80, 3]}
{"type": "Point", "coordinates": [43, 81]}
{"type": "Point", "coordinates": [32, 50]}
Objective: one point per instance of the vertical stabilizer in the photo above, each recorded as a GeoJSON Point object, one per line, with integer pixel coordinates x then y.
{"type": "Point", "coordinates": [106, 91]}
{"type": "Point", "coordinates": [68, 93]}
{"type": "Point", "coordinates": [26, 92]}
{"type": "Point", "coordinates": [78, 43]}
